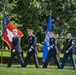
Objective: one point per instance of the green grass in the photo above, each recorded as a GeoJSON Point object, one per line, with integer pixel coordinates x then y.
{"type": "Point", "coordinates": [6, 53]}
{"type": "Point", "coordinates": [31, 70]}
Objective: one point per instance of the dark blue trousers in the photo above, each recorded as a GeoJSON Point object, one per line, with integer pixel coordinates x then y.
{"type": "Point", "coordinates": [19, 56]}
{"type": "Point", "coordinates": [65, 59]}
{"type": "Point", "coordinates": [29, 54]}
{"type": "Point", "coordinates": [49, 56]}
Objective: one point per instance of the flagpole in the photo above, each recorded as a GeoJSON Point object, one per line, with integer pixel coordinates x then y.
{"type": "Point", "coordinates": [2, 39]}
{"type": "Point", "coordinates": [2, 52]}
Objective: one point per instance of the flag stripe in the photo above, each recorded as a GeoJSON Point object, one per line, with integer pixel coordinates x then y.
{"type": "Point", "coordinates": [5, 38]}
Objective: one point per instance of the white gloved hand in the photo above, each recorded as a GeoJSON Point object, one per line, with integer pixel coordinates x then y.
{"type": "Point", "coordinates": [30, 50]}
{"type": "Point", "coordinates": [13, 50]}
{"type": "Point", "coordinates": [67, 51]}
{"type": "Point", "coordinates": [51, 46]}
{"type": "Point", "coordinates": [48, 48]}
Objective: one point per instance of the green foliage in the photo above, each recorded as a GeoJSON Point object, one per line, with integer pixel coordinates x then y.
{"type": "Point", "coordinates": [35, 13]}
{"type": "Point", "coordinates": [40, 47]}
{"type": "Point", "coordinates": [31, 70]}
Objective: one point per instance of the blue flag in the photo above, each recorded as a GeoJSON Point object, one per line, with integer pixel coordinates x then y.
{"type": "Point", "coordinates": [46, 41]}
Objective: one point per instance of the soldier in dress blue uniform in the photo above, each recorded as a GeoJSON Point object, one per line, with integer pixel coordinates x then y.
{"type": "Point", "coordinates": [52, 51]}
{"type": "Point", "coordinates": [69, 50]}
{"type": "Point", "coordinates": [32, 49]}
{"type": "Point", "coordinates": [16, 49]}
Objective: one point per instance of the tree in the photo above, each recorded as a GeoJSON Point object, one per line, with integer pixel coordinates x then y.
{"type": "Point", "coordinates": [35, 13]}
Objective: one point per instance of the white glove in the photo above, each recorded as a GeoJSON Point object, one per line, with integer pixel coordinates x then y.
{"type": "Point", "coordinates": [67, 52]}
{"type": "Point", "coordinates": [48, 48]}
{"type": "Point", "coordinates": [51, 46]}
{"type": "Point", "coordinates": [13, 50]}
{"type": "Point", "coordinates": [30, 50]}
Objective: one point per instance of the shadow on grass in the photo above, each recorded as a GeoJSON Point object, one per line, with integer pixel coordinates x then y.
{"type": "Point", "coordinates": [33, 66]}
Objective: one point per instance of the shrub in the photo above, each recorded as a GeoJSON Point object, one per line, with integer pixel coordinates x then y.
{"type": "Point", "coordinates": [40, 47]}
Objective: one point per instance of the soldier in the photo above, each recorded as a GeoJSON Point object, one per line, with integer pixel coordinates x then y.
{"type": "Point", "coordinates": [16, 49]}
{"type": "Point", "coordinates": [52, 51]}
{"type": "Point", "coordinates": [69, 50]}
{"type": "Point", "coordinates": [32, 49]}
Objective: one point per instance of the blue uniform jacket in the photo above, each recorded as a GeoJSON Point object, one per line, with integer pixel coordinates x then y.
{"type": "Point", "coordinates": [32, 43]}
{"type": "Point", "coordinates": [53, 43]}
{"type": "Point", "coordinates": [16, 41]}
{"type": "Point", "coordinates": [70, 43]}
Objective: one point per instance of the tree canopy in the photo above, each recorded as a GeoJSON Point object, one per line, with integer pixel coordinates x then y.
{"type": "Point", "coordinates": [35, 14]}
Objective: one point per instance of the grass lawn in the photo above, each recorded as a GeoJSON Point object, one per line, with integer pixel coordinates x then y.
{"type": "Point", "coordinates": [6, 53]}
{"type": "Point", "coordinates": [31, 70]}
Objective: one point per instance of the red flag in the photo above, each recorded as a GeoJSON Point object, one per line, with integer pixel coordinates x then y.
{"type": "Point", "coordinates": [7, 31]}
